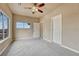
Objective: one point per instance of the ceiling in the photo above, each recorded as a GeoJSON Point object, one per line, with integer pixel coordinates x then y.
{"type": "Point", "coordinates": [17, 9]}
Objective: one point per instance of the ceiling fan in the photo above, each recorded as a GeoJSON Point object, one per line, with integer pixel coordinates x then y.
{"type": "Point", "coordinates": [36, 7]}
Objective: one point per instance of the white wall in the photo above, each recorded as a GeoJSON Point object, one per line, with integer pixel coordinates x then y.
{"type": "Point", "coordinates": [70, 22]}
{"type": "Point", "coordinates": [23, 34]}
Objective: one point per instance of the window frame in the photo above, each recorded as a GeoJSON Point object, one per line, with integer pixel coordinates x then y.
{"type": "Point", "coordinates": [8, 27]}
{"type": "Point", "coordinates": [23, 25]}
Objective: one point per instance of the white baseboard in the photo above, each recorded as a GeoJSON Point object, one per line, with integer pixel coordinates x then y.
{"type": "Point", "coordinates": [71, 49]}
{"type": "Point", "coordinates": [48, 41]}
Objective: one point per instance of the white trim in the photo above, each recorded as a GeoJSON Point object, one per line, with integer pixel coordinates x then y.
{"type": "Point", "coordinates": [71, 49]}
{"type": "Point", "coordinates": [8, 25]}
{"type": "Point", "coordinates": [4, 13]}
{"type": "Point", "coordinates": [1, 41]}
{"type": "Point", "coordinates": [48, 40]}
{"type": "Point", "coordinates": [57, 43]}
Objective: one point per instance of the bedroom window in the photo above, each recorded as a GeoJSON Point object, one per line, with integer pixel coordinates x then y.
{"type": "Point", "coordinates": [22, 25]}
{"type": "Point", "coordinates": [4, 26]}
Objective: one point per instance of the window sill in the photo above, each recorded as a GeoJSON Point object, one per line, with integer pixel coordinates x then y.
{"type": "Point", "coordinates": [1, 41]}
{"type": "Point", "coordinates": [24, 29]}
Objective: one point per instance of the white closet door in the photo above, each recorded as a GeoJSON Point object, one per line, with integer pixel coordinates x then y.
{"type": "Point", "coordinates": [57, 29]}
{"type": "Point", "coordinates": [36, 30]}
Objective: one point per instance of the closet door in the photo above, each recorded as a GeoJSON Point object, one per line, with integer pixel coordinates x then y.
{"type": "Point", "coordinates": [36, 30]}
{"type": "Point", "coordinates": [57, 29]}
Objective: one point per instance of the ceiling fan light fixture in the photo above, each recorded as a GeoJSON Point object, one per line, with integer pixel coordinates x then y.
{"type": "Point", "coordinates": [36, 8]}
{"type": "Point", "coordinates": [33, 10]}
{"type": "Point", "coordinates": [33, 7]}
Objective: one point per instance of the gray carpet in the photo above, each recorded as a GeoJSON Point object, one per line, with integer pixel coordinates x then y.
{"type": "Point", "coordinates": [36, 47]}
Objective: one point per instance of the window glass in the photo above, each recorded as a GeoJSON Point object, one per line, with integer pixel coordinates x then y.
{"type": "Point", "coordinates": [5, 19]}
{"type": "Point", "coordinates": [4, 26]}
{"type": "Point", "coordinates": [1, 30]}
{"type": "Point", "coordinates": [19, 25]}
{"type": "Point", "coordinates": [22, 25]}
{"type": "Point", "coordinates": [26, 25]}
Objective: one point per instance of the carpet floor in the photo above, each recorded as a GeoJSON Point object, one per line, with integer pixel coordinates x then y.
{"type": "Point", "coordinates": [36, 47]}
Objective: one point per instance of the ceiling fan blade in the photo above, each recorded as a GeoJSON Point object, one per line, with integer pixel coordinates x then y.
{"type": "Point", "coordinates": [35, 4]}
{"type": "Point", "coordinates": [40, 11]}
{"type": "Point", "coordinates": [41, 5]}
